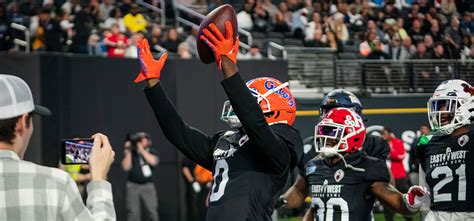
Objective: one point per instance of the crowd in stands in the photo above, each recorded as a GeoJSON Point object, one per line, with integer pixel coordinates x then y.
{"type": "Point", "coordinates": [102, 28]}
{"type": "Point", "coordinates": [377, 29]}
{"type": "Point", "coordinates": [390, 29]}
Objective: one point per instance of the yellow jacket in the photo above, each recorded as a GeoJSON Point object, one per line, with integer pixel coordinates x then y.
{"type": "Point", "coordinates": [135, 23]}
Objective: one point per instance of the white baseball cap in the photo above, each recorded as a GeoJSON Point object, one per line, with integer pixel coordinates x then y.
{"type": "Point", "coordinates": [16, 98]}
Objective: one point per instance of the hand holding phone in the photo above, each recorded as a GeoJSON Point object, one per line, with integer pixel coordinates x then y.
{"type": "Point", "coordinates": [101, 157]}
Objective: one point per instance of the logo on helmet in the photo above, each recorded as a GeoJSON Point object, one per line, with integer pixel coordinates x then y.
{"type": "Point", "coordinates": [451, 94]}
{"type": "Point", "coordinates": [269, 85]}
{"type": "Point", "coordinates": [349, 121]}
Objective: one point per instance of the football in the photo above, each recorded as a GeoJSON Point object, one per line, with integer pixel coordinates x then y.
{"type": "Point", "coordinates": [217, 16]}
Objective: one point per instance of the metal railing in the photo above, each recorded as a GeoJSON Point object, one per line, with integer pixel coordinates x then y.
{"type": "Point", "coordinates": [409, 76]}
{"type": "Point", "coordinates": [322, 70]}
{"type": "Point", "coordinates": [313, 67]}
{"type": "Point", "coordinates": [19, 42]}
{"type": "Point", "coordinates": [159, 48]}
{"type": "Point", "coordinates": [160, 10]}
{"type": "Point", "coordinates": [185, 21]}
{"type": "Point", "coordinates": [280, 48]}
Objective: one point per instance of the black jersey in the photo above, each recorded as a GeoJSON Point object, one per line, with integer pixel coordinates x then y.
{"type": "Point", "coordinates": [250, 166]}
{"type": "Point", "coordinates": [339, 193]}
{"type": "Point", "coordinates": [373, 146]}
{"type": "Point", "coordinates": [449, 170]}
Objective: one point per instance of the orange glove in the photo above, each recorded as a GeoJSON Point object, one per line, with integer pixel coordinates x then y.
{"type": "Point", "coordinates": [220, 45]}
{"type": "Point", "coordinates": [151, 68]}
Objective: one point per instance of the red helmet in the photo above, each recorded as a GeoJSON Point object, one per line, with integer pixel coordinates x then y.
{"type": "Point", "coordinates": [340, 131]}
{"type": "Point", "coordinates": [275, 99]}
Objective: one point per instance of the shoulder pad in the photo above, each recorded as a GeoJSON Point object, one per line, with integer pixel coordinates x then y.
{"type": "Point", "coordinates": [309, 140]}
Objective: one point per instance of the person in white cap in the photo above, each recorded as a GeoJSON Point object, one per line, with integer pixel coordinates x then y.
{"type": "Point", "coordinates": [33, 192]}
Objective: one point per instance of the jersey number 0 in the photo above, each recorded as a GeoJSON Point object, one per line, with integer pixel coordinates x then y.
{"type": "Point", "coordinates": [220, 179]}
{"type": "Point", "coordinates": [326, 212]}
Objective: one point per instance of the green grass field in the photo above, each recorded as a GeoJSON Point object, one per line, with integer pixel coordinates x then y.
{"type": "Point", "coordinates": [378, 217]}
{"type": "Point", "coordinates": [68, 159]}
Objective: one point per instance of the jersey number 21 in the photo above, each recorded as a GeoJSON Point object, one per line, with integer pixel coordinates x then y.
{"type": "Point", "coordinates": [447, 173]}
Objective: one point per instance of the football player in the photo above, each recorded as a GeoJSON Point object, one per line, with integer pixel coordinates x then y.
{"type": "Point", "coordinates": [374, 146]}
{"type": "Point", "coordinates": [446, 156]}
{"type": "Point", "coordinates": [343, 181]}
{"type": "Point", "coordinates": [251, 161]}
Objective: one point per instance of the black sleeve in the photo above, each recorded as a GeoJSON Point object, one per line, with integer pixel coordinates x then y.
{"type": "Point", "coordinates": [376, 147]}
{"type": "Point", "coordinates": [195, 144]}
{"type": "Point", "coordinates": [376, 170]}
{"type": "Point", "coordinates": [308, 153]}
{"type": "Point", "coordinates": [292, 139]}
{"type": "Point", "coordinates": [269, 145]}
{"type": "Point", "coordinates": [419, 155]}
{"type": "Point", "coordinates": [412, 161]}
{"type": "Point", "coordinates": [185, 162]}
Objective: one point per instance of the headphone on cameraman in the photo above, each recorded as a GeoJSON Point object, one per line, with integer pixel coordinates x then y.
{"type": "Point", "coordinates": [136, 137]}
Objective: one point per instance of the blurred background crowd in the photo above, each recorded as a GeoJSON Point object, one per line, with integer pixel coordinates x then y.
{"type": "Point", "coordinates": [374, 29]}
{"type": "Point", "coordinates": [377, 29]}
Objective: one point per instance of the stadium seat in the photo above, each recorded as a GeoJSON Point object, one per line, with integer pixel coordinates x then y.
{"type": "Point", "coordinates": [292, 42]}
{"type": "Point", "coordinates": [288, 35]}
{"type": "Point", "coordinates": [258, 35]}
{"type": "Point", "coordinates": [347, 55]}
{"type": "Point", "coordinates": [275, 35]}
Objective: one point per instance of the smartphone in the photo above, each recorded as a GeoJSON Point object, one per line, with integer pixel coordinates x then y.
{"type": "Point", "coordinates": [76, 151]}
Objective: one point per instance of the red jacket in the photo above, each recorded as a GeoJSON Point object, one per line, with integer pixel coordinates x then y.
{"type": "Point", "coordinates": [117, 51]}
{"type": "Point", "coordinates": [397, 153]}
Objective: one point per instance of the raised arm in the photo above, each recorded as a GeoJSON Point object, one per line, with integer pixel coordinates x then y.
{"type": "Point", "coordinates": [270, 146]}
{"type": "Point", "coordinates": [195, 144]}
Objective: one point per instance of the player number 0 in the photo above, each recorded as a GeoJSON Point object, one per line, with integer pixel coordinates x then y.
{"type": "Point", "coordinates": [217, 194]}
{"type": "Point", "coordinates": [448, 177]}
{"type": "Point", "coordinates": [330, 208]}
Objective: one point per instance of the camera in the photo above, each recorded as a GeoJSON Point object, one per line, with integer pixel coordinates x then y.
{"type": "Point", "coordinates": [134, 138]}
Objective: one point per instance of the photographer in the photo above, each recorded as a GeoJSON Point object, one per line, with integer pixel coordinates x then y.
{"type": "Point", "coordinates": [139, 160]}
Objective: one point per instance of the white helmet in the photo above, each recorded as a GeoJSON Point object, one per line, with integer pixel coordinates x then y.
{"type": "Point", "coordinates": [450, 107]}
{"type": "Point", "coordinates": [229, 116]}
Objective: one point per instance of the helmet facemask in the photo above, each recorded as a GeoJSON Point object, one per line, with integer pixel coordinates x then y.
{"type": "Point", "coordinates": [341, 131]}
{"type": "Point", "coordinates": [229, 116]}
{"type": "Point", "coordinates": [448, 113]}
{"type": "Point", "coordinates": [331, 138]}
